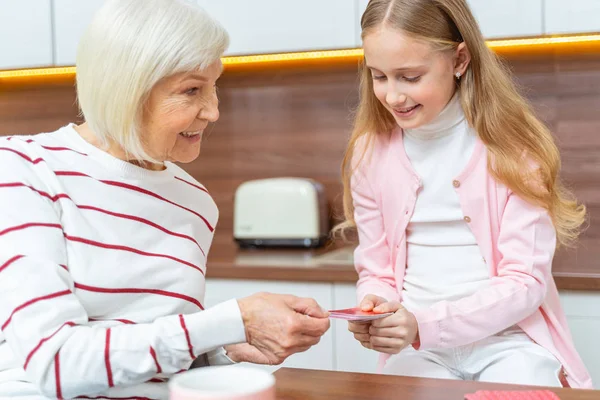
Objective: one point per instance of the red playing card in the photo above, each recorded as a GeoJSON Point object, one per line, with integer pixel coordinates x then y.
{"type": "Point", "coordinates": [514, 395]}
{"type": "Point", "coordinates": [356, 314]}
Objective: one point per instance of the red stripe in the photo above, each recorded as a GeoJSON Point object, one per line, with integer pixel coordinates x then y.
{"type": "Point", "coordinates": [143, 221]}
{"type": "Point", "coordinates": [50, 147]}
{"type": "Point", "coordinates": [44, 340]}
{"type": "Point", "coordinates": [192, 184]}
{"type": "Point", "coordinates": [57, 375]}
{"type": "Point", "coordinates": [41, 193]}
{"type": "Point", "coordinates": [63, 149]}
{"type": "Point", "coordinates": [180, 371]}
{"type": "Point", "coordinates": [64, 267]}
{"type": "Point", "coordinates": [123, 321]}
{"type": "Point", "coordinates": [33, 301]}
{"type": "Point", "coordinates": [114, 214]}
{"type": "Point", "coordinates": [114, 398]}
{"type": "Point", "coordinates": [29, 225]}
{"type": "Point", "coordinates": [24, 156]}
{"type": "Point", "coordinates": [137, 291]}
{"type": "Point", "coordinates": [153, 354]}
{"type": "Point", "coordinates": [157, 380]}
{"type": "Point", "coordinates": [129, 249]}
{"type": "Point", "coordinates": [9, 262]}
{"type": "Point", "coordinates": [187, 336]}
{"type": "Point", "coordinates": [107, 359]}
{"type": "Point", "coordinates": [139, 190]}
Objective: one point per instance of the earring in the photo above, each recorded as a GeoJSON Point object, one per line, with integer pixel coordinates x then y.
{"type": "Point", "coordinates": [458, 75]}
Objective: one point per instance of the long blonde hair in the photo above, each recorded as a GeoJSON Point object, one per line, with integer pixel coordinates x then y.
{"type": "Point", "coordinates": [502, 118]}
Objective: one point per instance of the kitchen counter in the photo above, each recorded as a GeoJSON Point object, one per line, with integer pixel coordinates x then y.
{"type": "Point", "coordinates": [333, 264]}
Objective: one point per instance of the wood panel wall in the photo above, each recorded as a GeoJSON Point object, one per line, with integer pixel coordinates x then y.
{"type": "Point", "coordinates": [296, 121]}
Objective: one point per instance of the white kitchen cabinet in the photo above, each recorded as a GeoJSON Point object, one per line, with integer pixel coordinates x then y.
{"type": "Point", "coordinates": [71, 18]}
{"type": "Point", "coordinates": [361, 6]}
{"type": "Point", "coordinates": [508, 18]}
{"type": "Point", "coordinates": [497, 18]}
{"type": "Point", "coordinates": [272, 26]}
{"type": "Point", "coordinates": [338, 350]}
{"type": "Point", "coordinates": [350, 356]}
{"type": "Point", "coordinates": [583, 315]}
{"type": "Point", "coordinates": [575, 16]}
{"type": "Point", "coordinates": [319, 356]}
{"type": "Point", "coordinates": [25, 34]}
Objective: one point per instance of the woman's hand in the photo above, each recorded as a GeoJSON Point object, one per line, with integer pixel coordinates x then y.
{"type": "Point", "coordinates": [278, 326]}
{"type": "Point", "coordinates": [244, 352]}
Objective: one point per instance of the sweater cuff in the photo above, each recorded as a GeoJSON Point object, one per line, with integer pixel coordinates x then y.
{"type": "Point", "coordinates": [216, 327]}
{"type": "Point", "coordinates": [219, 357]}
{"type": "Point", "coordinates": [430, 331]}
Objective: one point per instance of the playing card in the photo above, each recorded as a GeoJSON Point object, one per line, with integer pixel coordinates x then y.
{"type": "Point", "coordinates": [508, 395]}
{"type": "Point", "coordinates": [356, 315]}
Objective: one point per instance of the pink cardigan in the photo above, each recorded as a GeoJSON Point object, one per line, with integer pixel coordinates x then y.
{"type": "Point", "coordinates": [517, 241]}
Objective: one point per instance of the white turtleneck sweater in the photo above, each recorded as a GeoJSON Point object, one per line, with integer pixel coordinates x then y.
{"type": "Point", "coordinates": [443, 259]}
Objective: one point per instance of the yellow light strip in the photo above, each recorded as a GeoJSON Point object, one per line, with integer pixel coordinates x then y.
{"type": "Point", "coordinates": [26, 73]}
{"type": "Point", "coordinates": [325, 55]}
{"type": "Point", "coordinates": [301, 56]}
{"type": "Point", "coordinates": [543, 41]}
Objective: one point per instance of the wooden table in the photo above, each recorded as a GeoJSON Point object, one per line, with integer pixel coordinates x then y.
{"type": "Point", "coordinates": [301, 384]}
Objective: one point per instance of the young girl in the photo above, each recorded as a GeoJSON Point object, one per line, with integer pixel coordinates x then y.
{"type": "Point", "coordinates": [452, 183]}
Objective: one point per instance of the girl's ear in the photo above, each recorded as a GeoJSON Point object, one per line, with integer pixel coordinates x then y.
{"type": "Point", "coordinates": [462, 58]}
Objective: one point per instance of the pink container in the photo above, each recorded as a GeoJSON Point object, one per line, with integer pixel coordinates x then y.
{"type": "Point", "coordinates": [223, 383]}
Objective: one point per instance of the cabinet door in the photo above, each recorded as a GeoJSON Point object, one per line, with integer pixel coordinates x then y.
{"type": "Point", "coordinates": [350, 356]}
{"type": "Point", "coordinates": [319, 356]}
{"type": "Point", "coordinates": [361, 6]}
{"type": "Point", "coordinates": [272, 26]}
{"type": "Point", "coordinates": [25, 34]}
{"type": "Point", "coordinates": [71, 18]}
{"type": "Point", "coordinates": [508, 18]}
{"type": "Point", "coordinates": [498, 18]}
{"type": "Point", "coordinates": [575, 16]}
{"type": "Point", "coordinates": [583, 315]}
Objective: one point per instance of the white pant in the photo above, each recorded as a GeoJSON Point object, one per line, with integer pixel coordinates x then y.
{"type": "Point", "coordinates": [508, 357]}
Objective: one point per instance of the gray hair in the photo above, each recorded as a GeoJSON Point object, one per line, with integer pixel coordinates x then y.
{"type": "Point", "coordinates": [129, 46]}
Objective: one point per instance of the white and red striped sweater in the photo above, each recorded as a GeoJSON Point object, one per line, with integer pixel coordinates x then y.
{"type": "Point", "coordinates": [102, 269]}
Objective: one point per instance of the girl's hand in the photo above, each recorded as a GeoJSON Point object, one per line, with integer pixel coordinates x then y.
{"type": "Point", "coordinates": [394, 333]}
{"type": "Point", "coordinates": [361, 329]}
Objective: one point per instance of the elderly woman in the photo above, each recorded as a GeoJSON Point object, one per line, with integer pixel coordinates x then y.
{"type": "Point", "coordinates": [103, 240]}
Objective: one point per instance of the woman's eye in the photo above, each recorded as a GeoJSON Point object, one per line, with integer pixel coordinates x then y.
{"type": "Point", "coordinates": [192, 91]}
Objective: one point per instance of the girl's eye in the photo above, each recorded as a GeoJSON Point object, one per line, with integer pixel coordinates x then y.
{"type": "Point", "coordinates": [412, 79]}
{"type": "Point", "coordinates": [378, 77]}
